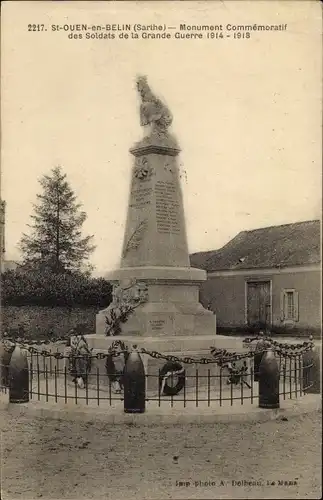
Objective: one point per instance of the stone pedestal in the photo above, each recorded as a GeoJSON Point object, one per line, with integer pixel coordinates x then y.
{"type": "Point", "coordinates": [171, 306]}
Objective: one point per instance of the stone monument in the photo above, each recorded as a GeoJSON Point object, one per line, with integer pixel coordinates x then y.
{"type": "Point", "coordinates": [155, 291]}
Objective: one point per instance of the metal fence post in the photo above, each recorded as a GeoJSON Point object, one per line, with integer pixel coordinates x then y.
{"type": "Point", "coordinates": [269, 381]}
{"type": "Point", "coordinates": [134, 384]}
{"type": "Point", "coordinates": [18, 377]}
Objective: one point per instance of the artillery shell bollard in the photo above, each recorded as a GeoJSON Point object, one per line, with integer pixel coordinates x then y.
{"type": "Point", "coordinates": [312, 371]}
{"type": "Point", "coordinates": [269, 381]}
{"type": "Point", "coordinates": [134, 384]}
{"type": "Point", "coordinates": [18, 377]}
{"type": "Point", "coordinates": [258, 355]}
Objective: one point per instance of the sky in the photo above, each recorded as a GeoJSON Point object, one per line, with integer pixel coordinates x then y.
{"type": "Point", "coordinates": [247, 115]}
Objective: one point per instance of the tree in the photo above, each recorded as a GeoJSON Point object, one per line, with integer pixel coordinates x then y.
{"type": "Point", "coordinates": [56, 243]}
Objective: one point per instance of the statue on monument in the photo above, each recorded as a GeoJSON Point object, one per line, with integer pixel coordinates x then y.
{"type": "Point", "coordinates": [153, 111]}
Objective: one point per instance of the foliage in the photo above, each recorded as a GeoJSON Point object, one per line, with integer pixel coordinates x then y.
{"type": "Point", "coordinates": [50, 289]}
{"type": "Point", "coordinates": [56, 242]}
{"type": "Point", "coordinates": [116, 317]}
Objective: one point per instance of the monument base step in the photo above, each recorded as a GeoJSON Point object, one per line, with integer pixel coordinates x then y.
{"type": "Point", "coordinates": [178, 343]}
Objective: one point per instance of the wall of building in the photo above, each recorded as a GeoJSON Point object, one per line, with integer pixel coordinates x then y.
{"type": "Point", "coordinates": [34, 320]}
{"type": "Point", "coordinates": [308, 286]}
{"type": "Point", "coordinates": [226, 296]}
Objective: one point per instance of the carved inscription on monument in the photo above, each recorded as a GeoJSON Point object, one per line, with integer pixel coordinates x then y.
{"type": "Point", "coordinates": [140, 197]}
{"type": "Point", "coordinates": [167, 208]}
{"type": "Point", "coordinates": [157, 324]}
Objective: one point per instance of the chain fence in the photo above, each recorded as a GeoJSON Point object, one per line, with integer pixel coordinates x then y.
{"type": "Point", "coordinates": [223, 378]}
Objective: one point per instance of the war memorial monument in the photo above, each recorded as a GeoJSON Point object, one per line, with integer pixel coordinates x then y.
{"type": "Point", "coordinates": [155, 291]}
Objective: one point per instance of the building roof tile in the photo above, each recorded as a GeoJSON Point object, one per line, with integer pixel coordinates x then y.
{"type": "Point", "coordinates": [269, 247]}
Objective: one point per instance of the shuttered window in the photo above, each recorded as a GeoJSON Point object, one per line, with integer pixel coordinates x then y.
{"type": "Point", "coordinates": [289, 305]}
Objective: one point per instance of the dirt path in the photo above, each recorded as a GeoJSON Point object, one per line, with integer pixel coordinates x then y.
{"type": "Point", "coordinates": [60, 460]}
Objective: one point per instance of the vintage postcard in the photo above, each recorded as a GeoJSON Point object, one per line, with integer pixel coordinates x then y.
{"type": "Point", "coordinates": [161, 192]}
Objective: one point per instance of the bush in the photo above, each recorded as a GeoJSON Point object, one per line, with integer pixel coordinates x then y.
{"type": "Point", "coordinates": [48, 289]}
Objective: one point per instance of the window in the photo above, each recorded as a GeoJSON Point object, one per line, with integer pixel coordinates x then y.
{"type": "Point", "coordinates": [289, 305]}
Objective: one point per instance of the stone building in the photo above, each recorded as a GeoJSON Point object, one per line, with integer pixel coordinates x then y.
{"type": "Point", "coordinates": [268, 278]}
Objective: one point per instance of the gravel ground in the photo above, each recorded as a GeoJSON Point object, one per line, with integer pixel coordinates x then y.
{"type": "Point", "coordinates": [61, 460]}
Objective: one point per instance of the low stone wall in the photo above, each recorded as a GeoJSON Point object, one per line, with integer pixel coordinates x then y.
{"type": "Point", "coordinates": [301, 333]}
{"type": "Point", "coordinates": [34, 320]}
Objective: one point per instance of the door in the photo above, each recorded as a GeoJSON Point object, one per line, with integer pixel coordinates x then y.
{"type": "Point", "coordinates": [258, 304]}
